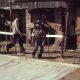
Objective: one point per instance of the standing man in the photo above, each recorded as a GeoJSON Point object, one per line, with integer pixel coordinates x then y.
{"type": "Point", "coordinates": [16, 36]}
{"type": "Point", "coordinates": [38, 39]}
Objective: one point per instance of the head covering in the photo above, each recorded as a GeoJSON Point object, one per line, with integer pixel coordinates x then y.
{"type": "Point", "coordinates": [38, 22]}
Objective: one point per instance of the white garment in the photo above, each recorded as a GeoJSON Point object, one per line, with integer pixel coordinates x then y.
{"type": "Point", "coordinates": [15, 26]}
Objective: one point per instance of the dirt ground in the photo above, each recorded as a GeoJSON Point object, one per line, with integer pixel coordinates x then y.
{"type": "Point", "coordinates": [49, 54]}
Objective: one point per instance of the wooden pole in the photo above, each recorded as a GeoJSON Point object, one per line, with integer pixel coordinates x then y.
{"type": "Point", "coordinates": [65, 34]}
{"type": "Point", "coordinates": [10, 14]}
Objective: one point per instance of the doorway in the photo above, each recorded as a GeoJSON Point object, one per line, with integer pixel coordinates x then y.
{"type": "Point", "coordinates": [44, 14]}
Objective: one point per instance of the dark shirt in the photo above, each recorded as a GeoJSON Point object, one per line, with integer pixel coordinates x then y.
{"type": "Point", "coordinates": [39, 35]}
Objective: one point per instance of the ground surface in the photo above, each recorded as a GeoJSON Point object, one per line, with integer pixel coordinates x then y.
{"type": "Point", "coordinates": [49, 55]}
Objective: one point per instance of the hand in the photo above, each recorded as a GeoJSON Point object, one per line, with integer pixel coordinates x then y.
{"type": "Point", "coordinates": [43, 43]}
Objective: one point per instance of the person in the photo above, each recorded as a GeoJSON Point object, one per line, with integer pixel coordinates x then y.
{"type": "Point", "coordinates": [16, 36]}
{"type": "Point", "coordinates": [38, 40]}
{"type": "Point", "coordinates": [3, 26]}
{"type": "Point", "coordinates": [59, 41]}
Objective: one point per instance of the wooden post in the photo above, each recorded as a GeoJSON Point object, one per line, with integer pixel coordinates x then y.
{"type": "Point", "coordinates": [65, 34]}
{"type": "Point", "coordinates": [10, 14]}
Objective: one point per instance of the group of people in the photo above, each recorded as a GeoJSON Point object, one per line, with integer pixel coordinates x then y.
{"type": "Point", "coordinates": [38, 38]}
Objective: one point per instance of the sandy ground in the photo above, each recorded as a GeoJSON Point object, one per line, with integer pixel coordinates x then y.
{"type": "Point", "coordinates": [48, 54]}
